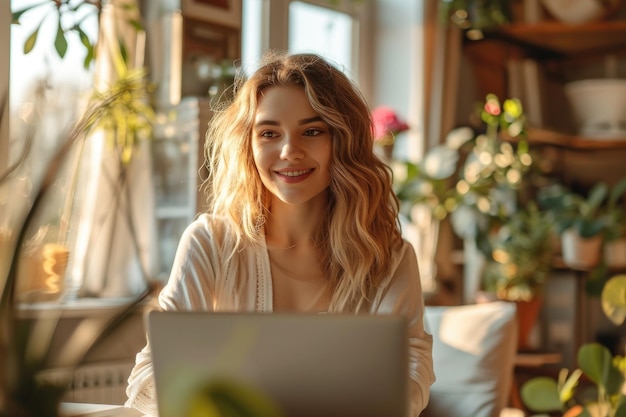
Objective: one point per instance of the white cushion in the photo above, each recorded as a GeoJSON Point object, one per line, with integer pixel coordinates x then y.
{"type": "Point", "coordinates": [474, 349]}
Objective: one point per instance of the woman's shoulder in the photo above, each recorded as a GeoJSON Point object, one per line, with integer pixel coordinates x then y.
{"type": "Point", "coordinates": [403, 249]}
{"type": "Point", "coordinates": [211, 229]}
{"type": "Point", "coordinates": [209, 222]}
{"type": "Point", "coordinates": [403, 257]}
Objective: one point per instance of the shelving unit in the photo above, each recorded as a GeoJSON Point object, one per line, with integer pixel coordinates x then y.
{"type": "Point", "coordinates": [553, 49]}
{"type": "Point", "coordinates": [567, 40]}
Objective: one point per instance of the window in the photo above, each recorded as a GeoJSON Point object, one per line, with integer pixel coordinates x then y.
{"type": "Point", "coordinates": [312, 26]}
{"type": "Point", "coordinates": [65, 79]}
{"type": "Point", "coordinates": [327, 32]}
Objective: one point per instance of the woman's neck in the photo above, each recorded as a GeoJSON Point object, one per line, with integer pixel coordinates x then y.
{"type": "Point", "coordinates": [291, 225]}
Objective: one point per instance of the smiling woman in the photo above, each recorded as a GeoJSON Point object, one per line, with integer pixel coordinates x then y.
{"type": "Point", "coordinates": [302, 216]}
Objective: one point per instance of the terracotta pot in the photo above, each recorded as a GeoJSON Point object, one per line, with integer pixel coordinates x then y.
{"type": "Point", "coordinates": [527, 315]}
{"type": "Point", "coordinates": [615, 253]}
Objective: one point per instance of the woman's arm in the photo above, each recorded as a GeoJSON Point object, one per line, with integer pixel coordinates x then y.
{"type": "Point", "coordinates": [191, 286]}
{"type": "Point", "coordinates": [403, 295]}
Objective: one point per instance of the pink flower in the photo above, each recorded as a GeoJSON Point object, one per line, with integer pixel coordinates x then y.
{"type": "Point", "coordinates": [386, 123]}
{"type": "Point", "coordinates": [492, 107]}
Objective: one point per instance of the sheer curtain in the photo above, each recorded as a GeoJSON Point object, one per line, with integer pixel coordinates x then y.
{"type": "Point", "coordinates": [116, 237]}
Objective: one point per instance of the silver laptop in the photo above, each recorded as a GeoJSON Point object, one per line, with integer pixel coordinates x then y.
{"type": "Point", "coordinates": [306, 365]}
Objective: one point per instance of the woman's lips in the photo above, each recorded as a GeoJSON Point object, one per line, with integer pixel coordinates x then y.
{"type": "Point", "coordinates": [294, 176]}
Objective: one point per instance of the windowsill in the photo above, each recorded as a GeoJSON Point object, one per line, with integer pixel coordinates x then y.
{"type": "Point", "coordinates": [82, 307]}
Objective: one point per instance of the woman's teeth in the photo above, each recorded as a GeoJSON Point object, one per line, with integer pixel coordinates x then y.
{"type": "Point", "coordinates": [295, 173]}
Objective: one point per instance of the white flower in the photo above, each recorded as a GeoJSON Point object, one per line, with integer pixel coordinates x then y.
{"type": "Point", "coordinates": [458, 137]}
{"type": "Point", "coordinates": [465, 222]}
{"type": "Point", "coordinates": [400, 171]}
{"type": "Point", "coordinates": [440, 162]}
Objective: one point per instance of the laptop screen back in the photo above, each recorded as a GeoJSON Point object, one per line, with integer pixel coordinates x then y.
{"type": "Point", "coordinates": [306, 364]}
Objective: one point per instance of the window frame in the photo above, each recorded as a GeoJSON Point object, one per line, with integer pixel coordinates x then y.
{"type": "Point", "coordinates": [274, 32]}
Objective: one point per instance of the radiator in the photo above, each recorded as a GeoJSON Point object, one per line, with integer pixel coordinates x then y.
{"type": "Point", "coordinates": [96, 383]}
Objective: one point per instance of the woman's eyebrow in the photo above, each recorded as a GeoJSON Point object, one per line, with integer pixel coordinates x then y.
{"type": "Point", "coordinates": [266, 122]}
{"type": "Point", "coordinates": [310, 120]}
{"type": "Point", "coordinates": [300, 122]}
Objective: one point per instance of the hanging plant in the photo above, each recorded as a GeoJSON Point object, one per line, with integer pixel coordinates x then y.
{"type": "Point", "coordinates": [70, 17]}
{"type": "Point", "coordinates": [475, 16]}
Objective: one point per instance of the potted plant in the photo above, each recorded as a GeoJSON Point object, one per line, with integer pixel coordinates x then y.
{"type": "Point", "coordinates": [604, 370]}
{"type": "Point", "coordinates": [387, 125]}
{"type": "Point", "coordinates": [25, 352]}
{"type": "Point", "coordinates": [520, 264]}
{"type": "Point", "coordinates": [473, 173]}
{"type": "Point", "coordinates": [475, 16]}
{"type": "Point", "coordinates": [123, 122]}
{"type": "Point", "coordinates": [476, 177]}
{"type": "Point", "coordinates": [580, 221]}
{"type": "Point", "coordinates": [25, 345]}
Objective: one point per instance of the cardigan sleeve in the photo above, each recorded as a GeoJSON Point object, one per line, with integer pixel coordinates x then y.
{"type": "Point", "coordinates": [403, 295]}
{"type": "Point", "coordinates": [191, 286]}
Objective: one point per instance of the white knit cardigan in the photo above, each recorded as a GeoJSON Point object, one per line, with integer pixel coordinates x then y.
{"type": "Point", "coordinates": [206, 278]}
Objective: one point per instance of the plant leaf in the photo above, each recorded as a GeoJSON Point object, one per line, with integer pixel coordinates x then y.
{"type": "Point", "coordinates": [84, 39]}
{"type": "Point", "coordinates": [31, 40]}
{"type": "Point", "coordinates": [621, 408]}
{"type": "Point", "coordinates": [136, 24]}
{"type": "Point", "coordinates": [617, 191]}
{"type": "Point", "coordinates": [566, 392]}
{"type": "Point", "coordinates": [596, 362]}
{"type": "Point", "coordinates": [613, 299]}
{"type": "Point", "coordinates": [541, 394]}
{"type": "Point", "coordinates": [597, 195]}
{"type": "Point", "coordinates": [60, 43]}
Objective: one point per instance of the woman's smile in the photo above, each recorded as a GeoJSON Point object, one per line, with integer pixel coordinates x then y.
{"type": "Point", "coordinates": [294, 176]}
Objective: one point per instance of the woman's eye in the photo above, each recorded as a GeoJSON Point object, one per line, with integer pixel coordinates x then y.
{"type": "Point", "coordinates": [313, 132]}
{"type": "Point", "coordinates": [268, 134]}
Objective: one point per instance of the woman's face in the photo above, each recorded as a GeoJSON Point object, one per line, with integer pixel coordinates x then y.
{"type": "Point", "coordinates": [291, 145]}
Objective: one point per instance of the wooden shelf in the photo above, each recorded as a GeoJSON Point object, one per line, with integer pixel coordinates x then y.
{"type": "Point", "coordinates": [536, 359]}
{"type": "Point", "coordinates": [549, 137]}
{"type": "Point", "coordinates": [538, 136]}
{"type": "Point", "coordinates": [565, 39]}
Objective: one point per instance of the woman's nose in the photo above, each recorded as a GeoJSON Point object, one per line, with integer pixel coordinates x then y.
{"type": "Point", "coordinates": [291, 148]}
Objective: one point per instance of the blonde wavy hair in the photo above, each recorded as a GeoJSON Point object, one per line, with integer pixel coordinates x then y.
{"type": "Point", "coordinates": [360, 230]}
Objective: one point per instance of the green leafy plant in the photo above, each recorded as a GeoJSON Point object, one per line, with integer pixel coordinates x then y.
{"type": "Point", "coordinates": [522, 255]}
{"type": "Point", "coordinates": [25, 344]}
{"type": "Point", "coordinates": [596, 363]}
{"type": "Point", "coordinates": [431, 182]}
{"type": "Point", "coordinates": [25, 353]}
{"type": "Point", "coordinates": [125, 116]}
{"type": "Point", "coordinates": [70, 16]}
{"type": "Point", "coordinates": [491, 180]}
{"type": "Point", "coordinates": [576, 210]}
{"type": "Point", "coordinates": [473, 173]}
{"type": "Point", "coordinates": [475, 16]}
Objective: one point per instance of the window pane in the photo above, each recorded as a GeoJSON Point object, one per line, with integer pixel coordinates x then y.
{"type": "Point", "coordinates": [323, 31]}
{"type": "Point", "coordinates": [43, 62]}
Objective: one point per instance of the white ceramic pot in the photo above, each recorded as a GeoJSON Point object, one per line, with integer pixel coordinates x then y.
{"type": "Point", "coordinates": [599, 107]}
{"type": "Point", "coordinates": [580, 253]}
{"type": "Point", "coordinates": [579, 11]}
